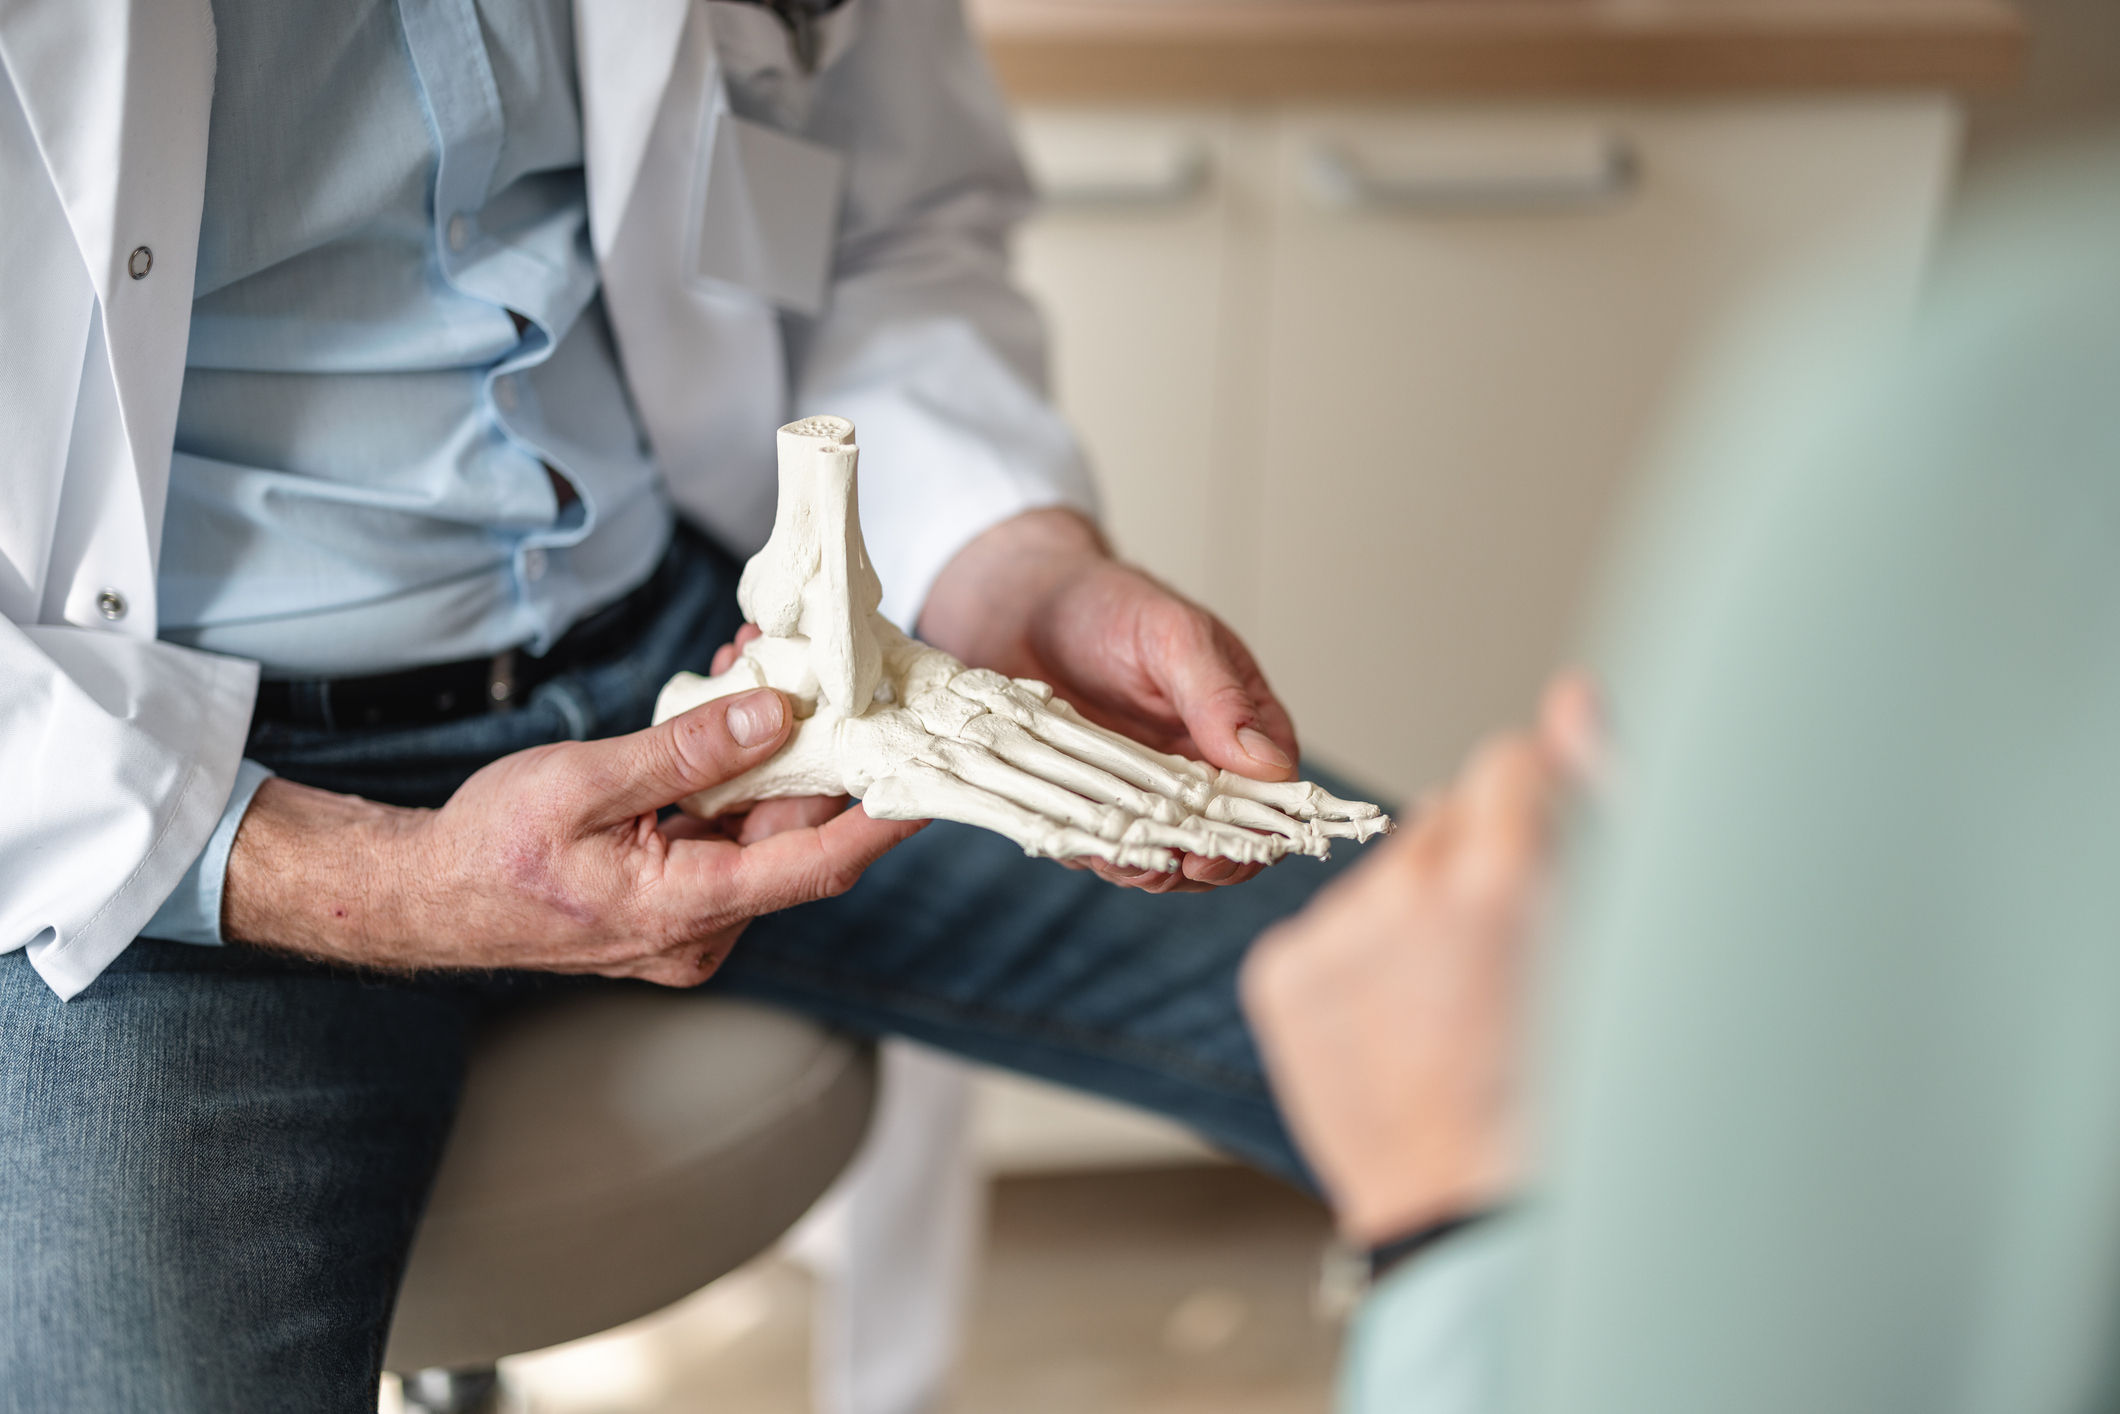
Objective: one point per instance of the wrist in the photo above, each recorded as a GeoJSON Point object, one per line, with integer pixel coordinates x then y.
{"type": "Point", "coordinates": [323, 875]}
{"type": "Point", "coordinates": [1381, 1257]}
{"type": "Point", "coordinates": [993, 588]}
{"type": "Point", "coordinates": [1392, 1202]}
{"type": "Point", "coordinates": [1352, 1270]}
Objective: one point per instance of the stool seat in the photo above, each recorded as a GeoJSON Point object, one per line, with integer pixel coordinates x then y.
{"type": "Point", "coordinates": [616, 1151]}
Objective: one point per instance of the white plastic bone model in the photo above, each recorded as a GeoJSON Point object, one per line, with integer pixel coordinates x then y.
{"type": "Point", "coordinates": [916, 735]}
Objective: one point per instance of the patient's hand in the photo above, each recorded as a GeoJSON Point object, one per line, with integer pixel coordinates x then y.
{"type": "Point", "coordinates": [1390, 1010]}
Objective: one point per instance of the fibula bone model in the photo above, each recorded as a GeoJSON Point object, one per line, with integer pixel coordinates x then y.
{"type": "Point", "coordinates": [916, 735]}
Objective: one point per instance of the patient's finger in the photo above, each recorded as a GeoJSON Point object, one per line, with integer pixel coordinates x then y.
{"type": "Point", "coordinates": [1507, 803]}
{"type": "Point", "coordinates": [1572, 724]}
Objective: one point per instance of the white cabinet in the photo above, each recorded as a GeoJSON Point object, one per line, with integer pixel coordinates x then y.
{"type": "Point", "coordinates": [1369, 382]}
{"type": "Point", "coordinates": [1130, 260]}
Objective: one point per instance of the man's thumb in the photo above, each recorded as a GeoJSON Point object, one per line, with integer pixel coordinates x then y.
{"type": "Point", "coordinates": [712, 743]}
{"type": "Point", "coordinates": [1233, 727]}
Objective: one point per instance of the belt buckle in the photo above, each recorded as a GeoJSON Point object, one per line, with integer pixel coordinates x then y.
{"type": "Point", "coordinates": [500, 682]}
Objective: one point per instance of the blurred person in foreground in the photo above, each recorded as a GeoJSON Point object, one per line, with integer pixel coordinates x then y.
{"type": "Point", "coordinates": [1825, 1074]}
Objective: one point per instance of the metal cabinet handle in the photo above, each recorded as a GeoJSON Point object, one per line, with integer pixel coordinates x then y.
{"type": "Point", "coordinates": [1185, 179]}
{"type": "Point", "coordinates": [1609, 175]}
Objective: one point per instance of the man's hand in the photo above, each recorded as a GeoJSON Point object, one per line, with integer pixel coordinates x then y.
{"type": "Point", "coordinates": [551, 859]}
{"type": "Point", "coordinates": [1389, 1010]}
{"type": "Point", "coordinates": [1040, 597]}
{"type": "Point", "coordinates": [766, 817]}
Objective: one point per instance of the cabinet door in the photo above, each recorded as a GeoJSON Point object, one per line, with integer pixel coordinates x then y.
{"type": "Point", "coordinates": [1452, 391]}
{"type": "Point", "coordinates": [1127, 259]}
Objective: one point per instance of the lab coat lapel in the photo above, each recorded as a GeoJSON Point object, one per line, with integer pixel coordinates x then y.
{"type": "Point", "coordinates": [705, 367]}
{"type": "Point", "coordinates": [624, 50]}
{"type": "Point", "coordinates": [118, 94]}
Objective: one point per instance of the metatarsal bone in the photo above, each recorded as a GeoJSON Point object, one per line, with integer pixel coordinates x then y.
{"type": "Point", "coordinates": [1015, 744]}
{"type": "Point", "coordinates": [1130, 761]}
{"type": "Point", "coordinates": [1177, 826]}
{"type": "Point", "coordinates": [991, 772]}
{"type": "Point", "coordinates": [1301, 799]}
{"type": "Point", "coordinates": [980, 767]}
{"type": "Point", "coordinates": [919, 791]}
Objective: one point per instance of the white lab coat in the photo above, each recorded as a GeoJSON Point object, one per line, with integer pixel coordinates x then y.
{"type": "Point", "coordinates": [118, 752]}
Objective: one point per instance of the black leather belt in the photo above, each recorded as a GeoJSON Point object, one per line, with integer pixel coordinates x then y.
{"type": "Point", "coordinates": [471, 686]}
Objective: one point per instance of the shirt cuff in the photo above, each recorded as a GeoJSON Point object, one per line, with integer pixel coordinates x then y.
{"type": "Point", "coordinates": [1435, 1335]}
{"type": "Point", "coordinates": [193, 913]}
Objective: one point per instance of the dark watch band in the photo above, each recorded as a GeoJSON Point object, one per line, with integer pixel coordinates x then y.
{"type": "Point", "coordinates": [1347, 1273]}
{"type": "Point", "coordinates": [1387, 1255]}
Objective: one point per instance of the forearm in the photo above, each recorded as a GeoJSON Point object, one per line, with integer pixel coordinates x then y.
{"type": "Point", "coordinates": [322, 875]}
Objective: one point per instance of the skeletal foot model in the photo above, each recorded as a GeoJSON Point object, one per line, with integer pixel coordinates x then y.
{"type": "Point", "coordinates": [916, 735]}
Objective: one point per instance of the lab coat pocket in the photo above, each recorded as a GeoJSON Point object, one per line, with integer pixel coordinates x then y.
{"type": "Point", "coordinates": [766, 214]}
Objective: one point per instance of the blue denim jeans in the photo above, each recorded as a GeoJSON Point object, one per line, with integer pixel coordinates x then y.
{"type": "Point", "coordinates": [214, 1159]}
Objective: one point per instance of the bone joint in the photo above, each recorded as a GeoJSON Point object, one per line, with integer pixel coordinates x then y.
{"type": "Point", "coordinates": [916, 735]}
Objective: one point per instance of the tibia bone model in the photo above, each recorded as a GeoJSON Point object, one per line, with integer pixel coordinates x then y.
{"type": "Point", "coordinates": [916, 735]}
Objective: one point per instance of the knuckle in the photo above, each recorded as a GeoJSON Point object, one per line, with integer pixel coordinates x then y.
{"type": "Point", "coordinates": [839, 870]}
{"type": "Point", "coordinates": [1191, 622]}
{"type": "Point", "coordinates": [1270, 967]}
{"type": "Point", "coordinates": [1514, 763]}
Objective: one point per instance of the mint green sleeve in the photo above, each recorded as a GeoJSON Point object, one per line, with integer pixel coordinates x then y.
{"type": "Point", "coordinates": [1831, 1099]}
{"type": "Point", "coordinates": [1433, 1337]}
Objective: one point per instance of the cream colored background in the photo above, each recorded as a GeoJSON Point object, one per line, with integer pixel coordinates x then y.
{"type": "Point", "coordinates": [1386, 445]}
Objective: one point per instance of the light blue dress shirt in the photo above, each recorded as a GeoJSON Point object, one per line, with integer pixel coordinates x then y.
{"type": "Point", "coordinates": [360, 482]}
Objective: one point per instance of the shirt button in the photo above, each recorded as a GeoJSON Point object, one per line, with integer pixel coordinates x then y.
{"type": "Point", "coordinates": [534, 563]}
{"type": "Point", "coordinates": [459, 232]}
{"type": "Point", "coordinates": [504, 394]}
{"type": "Point", "coordinates": [112, 603]}
{"type": "Point", "coordinates": [139, 262]}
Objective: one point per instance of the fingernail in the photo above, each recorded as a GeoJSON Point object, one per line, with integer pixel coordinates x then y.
{"type": "Point", "coordinates": [755, 717]}
{"type": "Point", "coordinates": [1259, 747]}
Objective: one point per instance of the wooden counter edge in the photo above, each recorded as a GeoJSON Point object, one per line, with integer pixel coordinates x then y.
{"type": "Point", "coordinates": [1257, 57]}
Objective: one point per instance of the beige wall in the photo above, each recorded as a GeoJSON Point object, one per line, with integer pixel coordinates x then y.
{"type": "Point", "coordinates": [1385, 441]}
